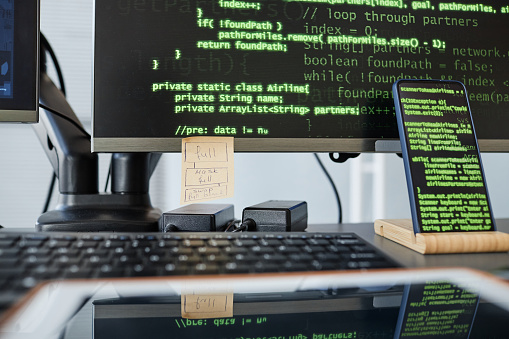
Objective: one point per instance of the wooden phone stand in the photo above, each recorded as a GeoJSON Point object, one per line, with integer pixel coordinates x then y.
{"type": "Point", "coordinates": [402, 232]}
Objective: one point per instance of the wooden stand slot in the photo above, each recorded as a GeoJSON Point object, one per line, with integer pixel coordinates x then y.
{"type": "Point", "coordinates": [402, 232]}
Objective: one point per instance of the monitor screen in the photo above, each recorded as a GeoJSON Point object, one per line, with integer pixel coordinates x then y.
{"type": "Point", "coordinates": [19, 60]}
{"type": "Point", "coordinates": [288, 75]}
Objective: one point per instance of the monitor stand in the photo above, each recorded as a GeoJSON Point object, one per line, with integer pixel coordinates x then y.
{"type": "Point", "coordinates": [81, 208]}
{"type": "Point", "coordinates": [101, 213]}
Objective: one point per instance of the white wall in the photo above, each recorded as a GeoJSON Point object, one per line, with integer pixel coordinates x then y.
{"type": "Point", "coordinates": [371, 186]}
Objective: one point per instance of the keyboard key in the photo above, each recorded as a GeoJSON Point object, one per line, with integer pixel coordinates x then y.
{"type": "Point", "coordinates": [142, 271]}
{"type": "Point", "coordinates": [181, 250]}
{"type": "Point", "coordinates": [294, 266]}
{"type": "Point", "coordinates": [64, 260]}
{"type": "Point", "coordinates": [37, 260]}
{"type": "Point", "coordinates": [236, 250]}
{"type": "Point", "coordinates": [294, 242]}
{"type": "Point", "coordinates": [318, 242]}
{"type": "Point", "coordinates": [301, 257]}
{"type": "Point", "coordinates": [270, 242]}
{"type": "Point", "coordinates": [262, 267]}
{"type": "Point", "coordinates": [77, 272]}
{"type": "Point", "coordinates": [108, 271]}
{"type": "Point", "coordinates": [206, 268]}
{"type": "Point", "coordinates": [245, 243]}
{"type": "Point", "coordinates": [314, 249]}
{"type": "Point", "coordinates": [9, 252]}
{"type": "Point", "coordinates": [9, 262]}
{"type": "Point", "coordinates": [193, 243]}
{"type": "Point", "coordinates": [114, 244]}
{"type": "Point", "coordinates": [173, 269]}
{"type": "Point", "coordinates": [4, 243]}
{"type": "Point", "coordinates": [12, 272]}
{"type": "Point", "coordinates": [38, 251]}
{"type": "Point", "coordinates": [95, 261]}
{"type": "Point", "coordinates": [86, 244]}
{"type": "Point", "coordinates": [262, 250]}
{"type": "Point", "coordinates": [235, 267]}
{"type": "Point", "coordinates": [219, 243]}
{"type": "Point", "coordinates": [208, 250]}
{"type": "Point", "coordinates": [217, 258]}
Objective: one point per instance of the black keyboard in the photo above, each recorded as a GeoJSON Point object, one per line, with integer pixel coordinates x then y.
{"type": "Point", "coordinates": [29, 258]}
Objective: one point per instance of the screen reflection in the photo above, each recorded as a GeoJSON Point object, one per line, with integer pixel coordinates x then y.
{"type": "Point", "coordinates": [453, 303]}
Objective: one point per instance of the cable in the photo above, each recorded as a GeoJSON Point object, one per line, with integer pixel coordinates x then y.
{"type": "Point", "coordinates": [108, 178]}
{"type": "Point", "coordinates": [334, 188]}
{"type": "Point", "coordinates": [230, 224]}
{"type": "Point", "coordinates": [247, 225]}
{"type": "Point", "coordinates": [47, 46]}
{"type": "Point", "coordinates": [63, 116]}
{"type": "Point", "coordinates": [50, 193]}
{"type": "Point", "coordinates": [342, 157]}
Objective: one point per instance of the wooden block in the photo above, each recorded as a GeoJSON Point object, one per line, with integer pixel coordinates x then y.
{"type": "Point", "coordinates": [402, 232]}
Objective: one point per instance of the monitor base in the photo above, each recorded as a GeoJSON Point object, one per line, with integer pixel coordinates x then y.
{"type": "Point", "coordinates": [101, 213]}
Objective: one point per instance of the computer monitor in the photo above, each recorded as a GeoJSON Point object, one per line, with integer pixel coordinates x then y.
{"type": "Point", "coordinates": [19, 60]}
{"type": "Point", "coordinates": [288, 75]}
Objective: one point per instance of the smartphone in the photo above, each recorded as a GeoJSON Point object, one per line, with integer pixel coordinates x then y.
{"type": "Point", "coordinates": [445, 178]}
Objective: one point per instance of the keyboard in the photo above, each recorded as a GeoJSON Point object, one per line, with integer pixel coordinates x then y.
{"type": "Point", "coordinates": [27, 258]}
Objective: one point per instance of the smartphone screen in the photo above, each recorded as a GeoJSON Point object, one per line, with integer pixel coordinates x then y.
{"type": "Point", "coordinates": [445, 178]}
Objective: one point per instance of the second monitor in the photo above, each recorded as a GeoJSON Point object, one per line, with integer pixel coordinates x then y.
{"type": "Point", "coordinates": [287, 75]}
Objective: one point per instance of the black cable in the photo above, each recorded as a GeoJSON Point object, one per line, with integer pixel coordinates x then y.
{"type": "Point", "coordinates": [334, 188]}
{"type": "Point", "coordinates": [63, 116]}
{"type": "Point", "coordinates": [108, 178]}
{"type": "Point", "coordinates": [230, 224]}
{"type": "Point", "coordinates": [50, 193]}
{"type": "Point", "coordinates": [47, 47]}
{"type": "Point", "coordinates": [247, 225]}
{"type": "Point", "coordinates": [342, 157]}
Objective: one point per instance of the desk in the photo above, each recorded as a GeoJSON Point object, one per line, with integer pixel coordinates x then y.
{"type": "Point", "coordinates": [489, 262]}
{"type": "Point", "coordinates": [360, 303]}
{"type": "Point", "coordinates": [324, 305]}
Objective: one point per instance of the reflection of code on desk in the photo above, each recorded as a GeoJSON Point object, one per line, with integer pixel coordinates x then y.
{"type": "Point", "coordinates": [299, 69]}
{"type": "Point", "coordinates": [338, 325]}
{"type": "Point", "coordinates": [444, 170]}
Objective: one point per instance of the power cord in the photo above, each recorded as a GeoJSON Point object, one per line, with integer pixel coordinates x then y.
{"type": "Point", "coordinates": [50, 193]}
{"type": "Point", "coordinates": [108, 176]}
{"type": "Point", "coordinates": [231, 224]}
{"type": "Point", "coordinates": [235, 226]}
{"type": "Point", "coordinates": [47, 47]}
{"type": "Point", "coordinates": [334, 188]}
{"type": "Point", "coordinates": [247, 225]}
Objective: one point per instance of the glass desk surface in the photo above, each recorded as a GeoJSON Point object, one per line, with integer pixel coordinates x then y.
{"type": "Point", "coordinates": [421, 303]}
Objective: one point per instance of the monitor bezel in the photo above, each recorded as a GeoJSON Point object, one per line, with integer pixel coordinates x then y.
{"type": "Point", "coordinates": [29, 26]}
{"type": "Point", "coordinates": [171, 145]}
